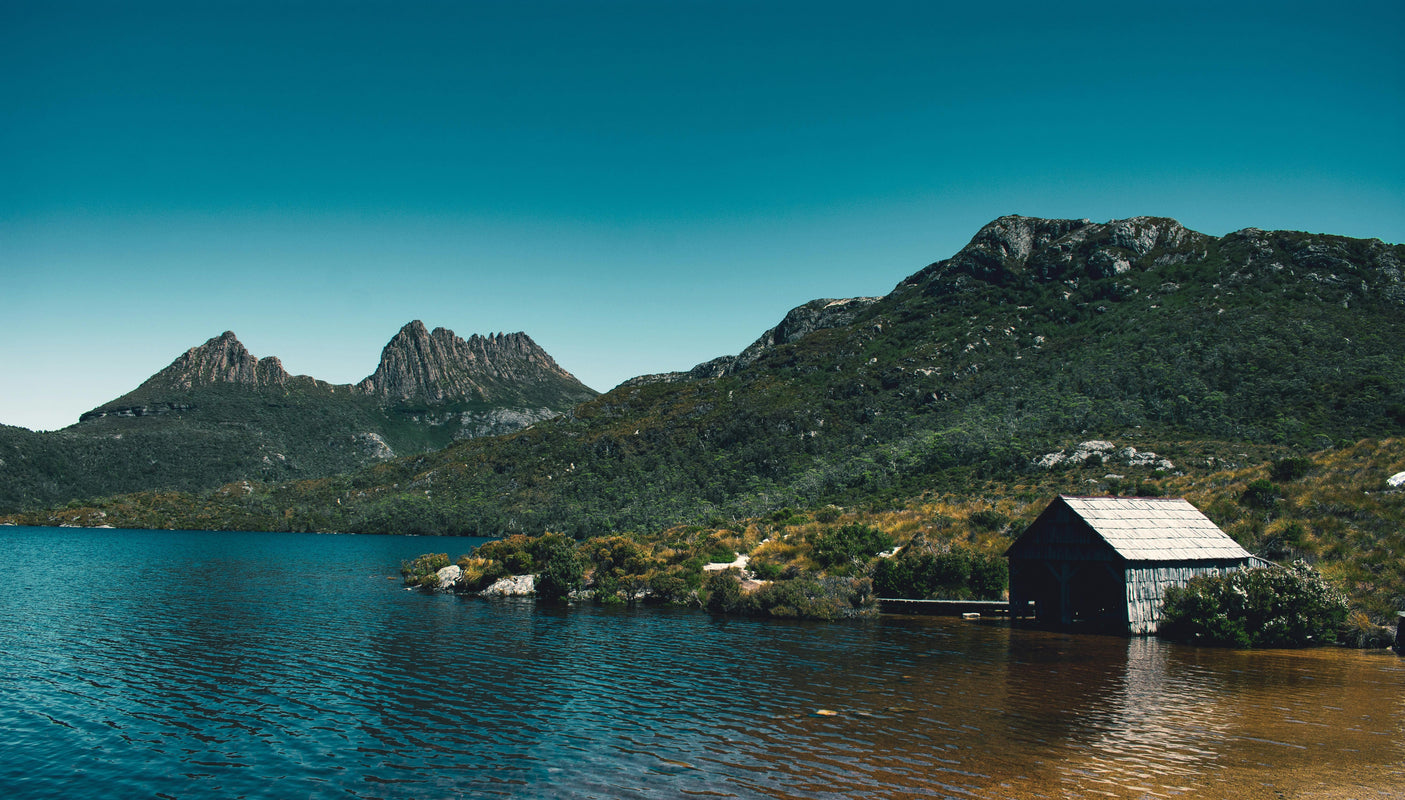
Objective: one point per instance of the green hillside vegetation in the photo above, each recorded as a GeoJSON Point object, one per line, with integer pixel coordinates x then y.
{"type": "Point", "coordinates": [1225, 356]}
{"type": "Point", "coordinates": [223, 433]}
{"type": "Point", "coordinates": [1334, 514]}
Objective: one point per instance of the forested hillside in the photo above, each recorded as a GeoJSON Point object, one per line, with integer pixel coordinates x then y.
{"type": "Point", "coordinates": [1037, 335]}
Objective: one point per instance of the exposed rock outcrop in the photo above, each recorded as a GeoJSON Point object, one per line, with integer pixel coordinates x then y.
{"type": "Point", "coordinates": [438, 366]}
{"type": "Point", "coordinates": [416, 366]}
{"type": "Point", "coordinates": [497, 421]}
{"type": "Point", "coordinates": [512, 586]}
{"type": "Point", "coordinates": [374, 446]}
{"type": "Point", "coordinates": [222, 359]}
{"type": "Point", "coordinates": [1106, 453]}
{"type": "Point", "coordinates": [1067, 248]}
{"type": "Point", "coordinates": [1015, 248]}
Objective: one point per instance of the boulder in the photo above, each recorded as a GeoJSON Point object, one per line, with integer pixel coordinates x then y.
{"type": "Point", "coordinates": [513, 586]}
{"type": "Point", "coordinates": [448, 577]}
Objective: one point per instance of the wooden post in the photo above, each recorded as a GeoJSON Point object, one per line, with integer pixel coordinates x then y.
{"type": "Point", "coordinates": [1400, 633]}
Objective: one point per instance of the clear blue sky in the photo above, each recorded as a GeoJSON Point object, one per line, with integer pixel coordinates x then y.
{"type": "Point", "coordinates": [640, 186]}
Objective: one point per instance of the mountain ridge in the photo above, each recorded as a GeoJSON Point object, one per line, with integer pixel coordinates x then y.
{"type": "Point", "coordinates": [218, 413]}
{"type": "Point", "coordinates": [1036, 335]}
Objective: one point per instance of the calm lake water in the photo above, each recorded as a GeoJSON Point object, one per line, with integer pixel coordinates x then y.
{"type": "Point", "coordinates": [201, 664]}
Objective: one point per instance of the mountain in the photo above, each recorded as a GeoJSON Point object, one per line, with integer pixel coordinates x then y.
{"type": "Point", "coordinates": [438, 367]}
{"type": "Point", "coordinates": [219, 414]}
{"type": "Point", "coordinates": [1035, 337]}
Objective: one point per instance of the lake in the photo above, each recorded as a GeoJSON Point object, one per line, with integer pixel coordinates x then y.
{"type": "Point", "coordinates": [194, 664]}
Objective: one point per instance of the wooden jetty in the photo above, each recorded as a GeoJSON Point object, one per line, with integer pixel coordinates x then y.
{"type": "Point", "coordinates": [945, 608]}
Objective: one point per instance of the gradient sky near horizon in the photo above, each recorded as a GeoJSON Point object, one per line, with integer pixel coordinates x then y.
{"type": "Point", "coordinates": [640, 186]}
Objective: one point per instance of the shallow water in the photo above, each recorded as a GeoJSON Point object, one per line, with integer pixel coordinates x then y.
{"type": "Point", "coordinates": [199, 664]}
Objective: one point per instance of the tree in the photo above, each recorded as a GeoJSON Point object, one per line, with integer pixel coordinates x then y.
{"type": "Point", "coordinates": [561, 570]}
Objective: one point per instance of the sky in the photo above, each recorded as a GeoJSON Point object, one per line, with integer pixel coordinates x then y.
{"type": "Point", "coordinates": [639, 186]}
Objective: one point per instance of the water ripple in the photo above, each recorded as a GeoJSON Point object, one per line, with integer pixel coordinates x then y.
{"type": "Point", "coordinates": [195, 665]}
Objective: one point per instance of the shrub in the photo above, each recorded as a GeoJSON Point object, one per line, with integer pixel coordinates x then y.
{"type": "Point", "coordinates": [957, 574]}
{"type": "Point", "coordinates": [724, 593]}
{"type": "Point", "coordinates": [720, 554]}
{"type": "Point", "coordinates": [987, 519]}
{"type": "Point", "coordinates": [1260, 494]}
{"type": "Point", "coordinates": [990, 576]}
{"type": "Point", "coordinates": [1262, 607]}
{"type": "Point", "coordinates": [848, 543]}
{"type": "Point", "coordinates": [515, 553]}
{"type": "Point", "coordinates": [1290, 468]}
{"type": "Point", "coordinates": [561, 571]}
{"type": "Point", "coordinates": [422, 571]}
{"type": "Point", "coordinates": [765, 570]}
{"type": "Point", "coordinates": [801, 598]}
{"type": "Point", "coordinates": [480, 573]}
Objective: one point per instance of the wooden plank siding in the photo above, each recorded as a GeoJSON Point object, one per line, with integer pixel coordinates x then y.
{"type": "Point", "coordinates": [1146, 588]}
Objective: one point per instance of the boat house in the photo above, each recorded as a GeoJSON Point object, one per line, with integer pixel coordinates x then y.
{"type": "Point", "coordinates": [1106, 561]}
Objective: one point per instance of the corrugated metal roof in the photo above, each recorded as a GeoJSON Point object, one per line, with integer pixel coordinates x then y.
{"type": "Point", "coordinates": [1155, 529]}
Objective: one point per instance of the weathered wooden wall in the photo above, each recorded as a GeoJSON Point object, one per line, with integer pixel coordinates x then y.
{"type": "Point", "coordinates": [1146, 589]}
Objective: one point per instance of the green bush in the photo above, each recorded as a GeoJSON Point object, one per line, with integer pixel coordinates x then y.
{"type": "Point", "coordinates": [1148, 489]}
{"type": "Point", "coordinates": [990, 576]}
{"type": "Point", "coordinates": [721, 554]}
{"type": "Point", "coordinates": [561, 569]}
{"type": "Point", "coordinates": [724, 593]}
{"type": "Point", "coordinates": [957, 574]}
{"type": "Point", "coordinates": [1290, 468]}
{"type": "Point", "coordinates": [987, 520]}
{"type": "Point", "coordinates": [802, 598]}
{"type": "Point", "coordinates": [1262, 607]}
{"type": "Point", "coordinates": [1260, 494]}
{"type": "Point", "coordinates": [764, 570]}
{"type": "Point", "coordinates": [848, 543]}
{"type": "Point", "coordinates": [422, 571]}
{"type": "Point", "coordinates": [668, 587]}
{"type": "Point", "coordinates": [799, 598]}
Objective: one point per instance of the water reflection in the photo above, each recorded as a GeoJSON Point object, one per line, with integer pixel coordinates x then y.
{"type": "Point", "coordinates": [291, 662]}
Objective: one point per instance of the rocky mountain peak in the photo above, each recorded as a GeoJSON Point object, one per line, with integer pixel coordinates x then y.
{"type": "Point", "coordinates": [438, 366]}
{"type": "Point", "coordinates": [223, 359]}
{"type": "Point", "coordinates": [1010, 240]}
{"type": "Point", "coordinates": [1055, 249]}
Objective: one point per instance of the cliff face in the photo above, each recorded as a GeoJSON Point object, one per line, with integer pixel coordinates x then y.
{"type": "Point", "coordinates": [418, 365]}
{"type": "Point", "coordinates": [223, 359]}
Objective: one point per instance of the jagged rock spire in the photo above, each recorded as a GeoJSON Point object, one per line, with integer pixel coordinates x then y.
{"type": "Point", "coordinates": [438, 366]}
{"type": "Point", "coordinates": [222, 359]}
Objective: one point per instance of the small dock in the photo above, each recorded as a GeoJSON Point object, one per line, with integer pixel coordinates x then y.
{"type": "Point", "coordinates": [946, 608]}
